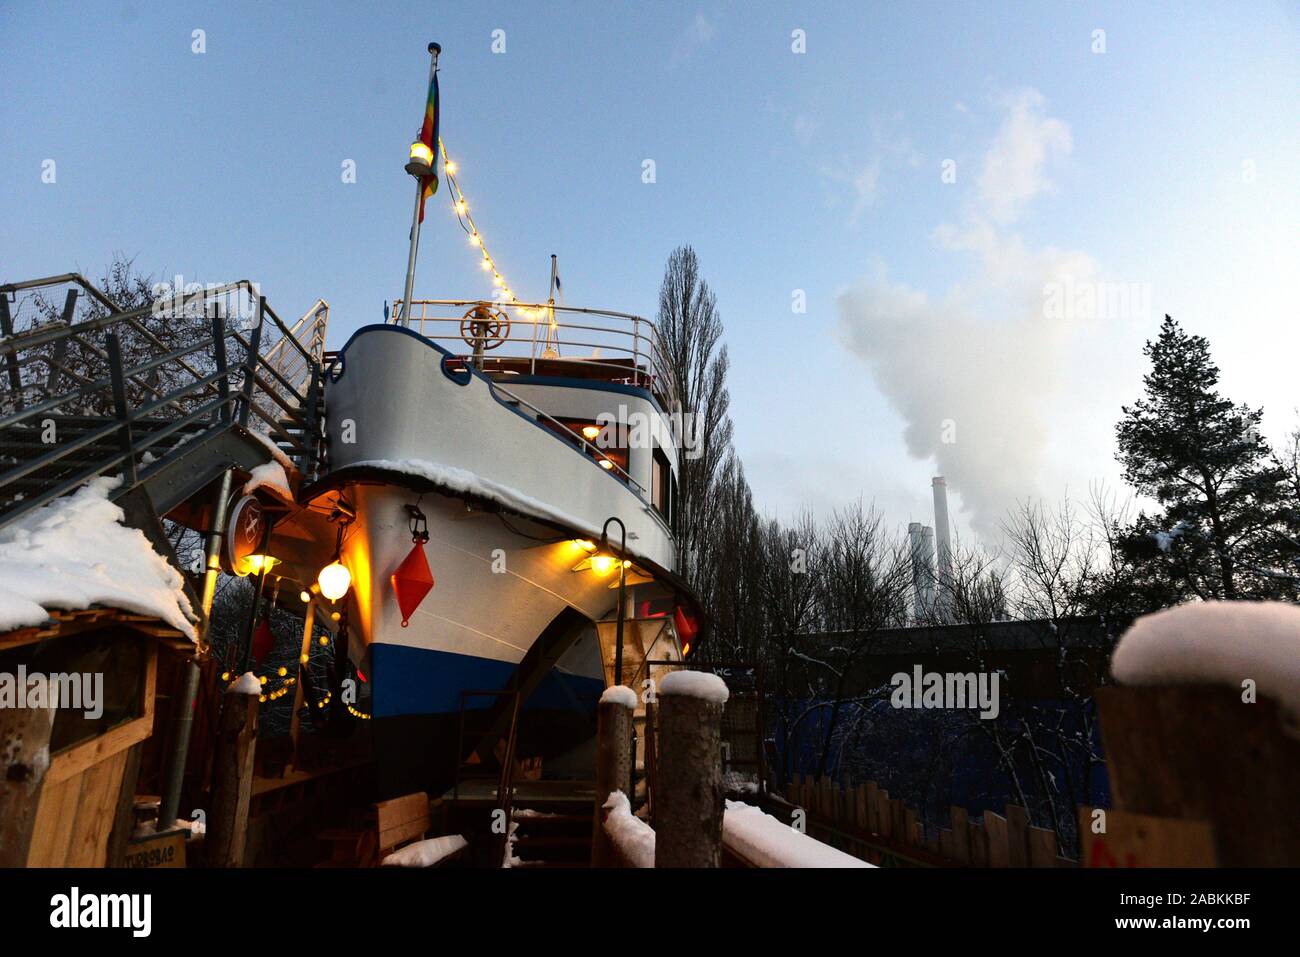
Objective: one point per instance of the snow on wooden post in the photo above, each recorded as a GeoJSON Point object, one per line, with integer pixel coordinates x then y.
{"type": "Point", "coordinates": [232, 774]}
{"type": "Point", "coordinates": [1207, 725]}
{"type": "Point", "coordinates": [24, 759]}
{"type": "Point", "coordinates": [689, 807]}
{"type": "Point", "coordinates": [613, 764]}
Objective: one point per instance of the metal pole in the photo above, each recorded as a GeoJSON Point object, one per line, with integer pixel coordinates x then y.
{"type": "Point", "coordinates": [434, 50]}
{"type": "Point", "coordinates": [183, 715]}
{"type": "Point", "coordinates": [622, 591]}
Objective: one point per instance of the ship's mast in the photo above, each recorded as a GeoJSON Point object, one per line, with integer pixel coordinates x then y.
{"type": "Point", "coordinates": [434, 50]}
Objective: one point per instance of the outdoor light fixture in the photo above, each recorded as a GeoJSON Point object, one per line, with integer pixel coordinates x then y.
{"type": "Point", "coordinates": [258, 563]}
{"type": "Point", "coordinates": [603, 563]}
{"type": "Point", "coordinates": [589, 432]}
{"type": "Point", "coordinates": [606, 464]}
{"type": "Point", "coordinates": [334, 580]}
{"type": "Point", "coordinates": [421, 162]}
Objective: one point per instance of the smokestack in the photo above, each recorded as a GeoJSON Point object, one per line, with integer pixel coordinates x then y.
{"type": "Point", "coordinates": [921, 539]}
{"type": "Point", "coordinates": [943, 543]}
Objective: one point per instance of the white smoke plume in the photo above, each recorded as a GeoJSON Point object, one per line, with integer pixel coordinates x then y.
{"type": "Point", "coordinates": [975, 372]}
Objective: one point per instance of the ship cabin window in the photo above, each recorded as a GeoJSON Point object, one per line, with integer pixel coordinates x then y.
{"type": "Point", "coordinates": [663, 488]}
{"type": "Point", "coordinates": [615, 452]}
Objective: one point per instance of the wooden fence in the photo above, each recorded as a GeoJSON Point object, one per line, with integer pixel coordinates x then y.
{"type": "Point", "coordinates": [867, 823]}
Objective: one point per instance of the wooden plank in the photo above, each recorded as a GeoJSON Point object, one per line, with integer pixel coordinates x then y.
{"type": "Point", "coordinates": [884, 816]}
{"type": "Point", "coordinates": [995, 827]}
{"type": "Point", "coordinates": [860, 806]}
{"type": "Point", "coordinates": [960, 835]}
{"type": "Point", "coordinates": [1042, 847]}
{"type": "Point", "coordinates": [1017, 836]}
{"type": "Point", "coordinates": [54, 822]}
{"type": "Point", "coordinates": [402, 819]}
{"type": "Point", "coordinates": [124, 814]}
{"type": "Point", "coordinates": [95, 812]}
{"type": "Point", "coordinates": [82, 757]}
{"type": "Point", "coordinates": [1144, 840]}
{"type": "Point", "coordinates": [979, 845]}
{"type": "Point", "coordinates": [873, 807]}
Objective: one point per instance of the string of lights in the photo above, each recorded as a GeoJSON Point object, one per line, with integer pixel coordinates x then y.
{"type": "Point", "coordinates": [460, 206]}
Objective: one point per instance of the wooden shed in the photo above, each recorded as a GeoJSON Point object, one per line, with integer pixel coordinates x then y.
{"type": "Point", "coordinates": [68, 774]}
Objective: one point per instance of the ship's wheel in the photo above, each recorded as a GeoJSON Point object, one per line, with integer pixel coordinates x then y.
{"type": "Point", "coordinates": [485, 327]}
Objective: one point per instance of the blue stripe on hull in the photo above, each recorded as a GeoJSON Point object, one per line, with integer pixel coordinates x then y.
{"type": "Point", "coordinates": [425, 681]}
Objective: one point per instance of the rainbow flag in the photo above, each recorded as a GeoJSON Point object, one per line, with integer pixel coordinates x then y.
{"type": "Point", "coordinates": [429, 136]}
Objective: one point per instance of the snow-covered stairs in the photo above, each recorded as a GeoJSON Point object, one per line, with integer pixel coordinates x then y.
{"type": "Point", "coordinates": [559, 836]}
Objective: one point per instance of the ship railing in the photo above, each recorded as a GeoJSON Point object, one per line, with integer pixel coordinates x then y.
{"type": "Point", "coordinates": [544, 333]}
{"type": "Point", "coordinates": [576, 438]}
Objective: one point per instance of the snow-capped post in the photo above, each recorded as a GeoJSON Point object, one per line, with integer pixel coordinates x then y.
{"type": "Point", "coordinates": [613, 764]}
{"type": "Point", "coordinates": [232, 774]}
{"type": "Point", "coordinates": [689, 805]}
{"type": "Point", "coordinates": [24, 759]}
{"type": "Point", "coordinates": [1205, 725]}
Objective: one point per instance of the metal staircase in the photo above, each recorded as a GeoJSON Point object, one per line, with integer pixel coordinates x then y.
{"type": "Point", "coordinates": [169, 395]}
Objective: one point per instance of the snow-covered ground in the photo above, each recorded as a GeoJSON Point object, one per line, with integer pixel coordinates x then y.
{"type": "Point", "coordinates": [74, 553]}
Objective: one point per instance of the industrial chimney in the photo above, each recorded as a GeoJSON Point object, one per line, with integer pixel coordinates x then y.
{"type": "Point", "coordinates": [921, 539]}
{"type": "Point", "coordinates": [943, 543]}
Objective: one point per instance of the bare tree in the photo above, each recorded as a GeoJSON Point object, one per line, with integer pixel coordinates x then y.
{"type": "Point", "coordinates": [690, 334]}
{"type": "Point", "coordinates": [865, 576]}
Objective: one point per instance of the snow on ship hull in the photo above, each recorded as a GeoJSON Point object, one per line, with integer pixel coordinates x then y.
{"type": "Point", "coordinates": [505, 501]}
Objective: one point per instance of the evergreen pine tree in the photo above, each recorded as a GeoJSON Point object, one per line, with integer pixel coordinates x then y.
{"type": "Point", "coordinates": [1227, 522]}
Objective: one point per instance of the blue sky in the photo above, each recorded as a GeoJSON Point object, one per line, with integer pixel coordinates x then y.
{"type": "Point", "coordinates": [1168, 161]}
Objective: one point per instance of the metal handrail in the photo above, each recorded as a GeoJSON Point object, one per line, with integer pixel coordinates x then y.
{"type": "Point", "coordinates": [204, 401]}
{"type": "Point", "coordinates": [640, 342]}
{"type": "Point", "coordinates": [583, 442]}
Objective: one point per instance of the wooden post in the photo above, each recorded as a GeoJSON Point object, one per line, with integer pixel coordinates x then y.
{"type": "Point", "coordinates": [24, 759]}
{"type": "Point", "coordinates": [1201, 753]}
{"type": "Point", "coordinates": [232, 783]}
{"type": "Point", "coordinates": [613, 765]}
{"type": "Point", "coordinates": [304, 651]}
{"type": "Point", "coordinates": [688, 816]}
